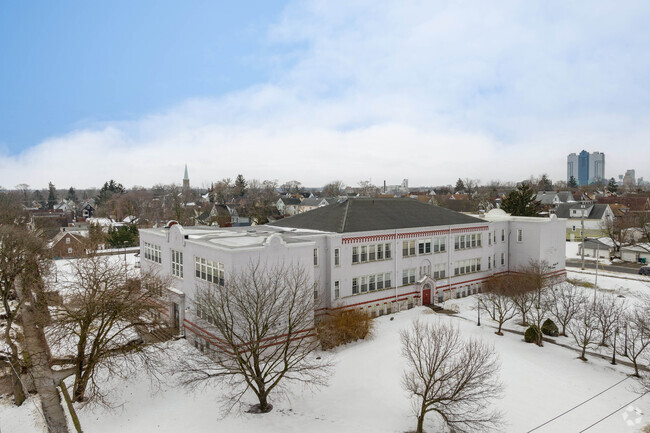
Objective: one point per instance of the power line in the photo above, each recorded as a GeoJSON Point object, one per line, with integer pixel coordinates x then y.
{"type": "Point", "coordinates": [607, 416]}
{"type": "Point", "coordinates": [578, 405]}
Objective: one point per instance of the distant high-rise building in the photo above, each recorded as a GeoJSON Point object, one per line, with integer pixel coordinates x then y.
{"type": "Point", "coordinates": [629, 180]}
{"type": "Point", "coordinates": [586, 167]}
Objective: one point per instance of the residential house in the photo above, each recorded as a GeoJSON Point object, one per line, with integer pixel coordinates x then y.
{"type": "Point", "coordinates": [315, 202]}
{"type": "Point", "coordinates": [602, 248]}
{"type": "Point", "coordinates": [69, 242]}
{"type": "Point", "coordinates": [596, 217]}
{"type": "Point", "coordinates": [288, 205]}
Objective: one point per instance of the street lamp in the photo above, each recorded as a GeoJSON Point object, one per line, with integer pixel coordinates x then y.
{"type": "Point", "coordinates": [582, 233]}
{"type": "Point", "coordinates": [625, 348]}
{"type": "Point", "coordinates": [614, 351]}
{"type": "Point", "coordinates": [478, 309]}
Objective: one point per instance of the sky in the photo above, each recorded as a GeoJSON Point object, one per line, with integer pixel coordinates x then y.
{"type": "Point", "coordinates": [319, 91]}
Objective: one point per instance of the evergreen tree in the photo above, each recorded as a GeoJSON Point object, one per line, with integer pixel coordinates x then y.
{"type": "Point", "coordinates": [460, 186]}
{"type": "Point", "coordinates": [572, 182]}
{"type": "Point", "coordinates": [51, 196]}
{"type": "Point", "coordinates": [612, 186]}
{"type": "Point", "coordinates": [111, 187]}
{"type": "Point", "coordinates": [521, 202]}
{"type": "Point", "coordinates": [545, 183]}
{"type": "Point", "coordinates": [240, 186]}
{"type": "Point", "coordinates": [72, 195]}
{"type": "Point", "coordinates": [37, 196]}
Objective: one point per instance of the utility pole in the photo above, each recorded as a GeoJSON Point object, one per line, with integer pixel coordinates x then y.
{"type": "Point", "coordinates": [596, 282]}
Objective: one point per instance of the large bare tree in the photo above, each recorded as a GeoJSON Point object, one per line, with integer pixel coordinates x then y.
{"type": "Point", "coordinates": [263, 319]}
{"type": "Point", "coordinates": [450, 376]}
{"type": "Point", "coordinates": [636, 341]}
{"type": "Point", "coordinates": [107, 307]}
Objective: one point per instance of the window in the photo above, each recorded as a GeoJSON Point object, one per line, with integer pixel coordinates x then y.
{"type": "Point", "coordinates": [489, 262]}
{"type": "Point", "coordinates": [380, 252]}
{"type": "Point", "coordinates": [177, 263]}
{"type": "Point", "coordinates": [371, 283]}
{"type": "Point", "coordinates": [408, 248]}
{"type": "Point", "coordinates": [355, 254]}
{"type": "Point", "coordinates": [408, 276]}
{"type": "Point", "coordinates": [503, 259]}
{"type": "Point", "coordinates": [67, 240]}
{"type": "Point", "coordinates": [372, 253]}
{"type": "Point", "coordinates": [520, 235]}
{"type": "Point", "coordinates": [337, 257]}
{"type": "Point", "coordinates": [439, 271]}
{"type": "Point", "coordinates": [315, 291]}
{"type": "Point", "coordinates": [355, 286]}
{"type": "Point", "coordinates": [152, 252]}
{"type": "Point", "coordinates": [489, 238]}
{"type": "Point", "coordinates": [503, 235]}
{"type": "Point", "coordinates": [424, 246]}
{"type": "Point", "coordinates": [380, 281]}
{"type": "Point", "coordinates": [439, 245]}
{"type": "Point", "coordinates": [387, 251]}
{"type": "Point", "coordinates": [364, 284]}
{"type": "Point", "coordinates": [336, 289]}
{"type": "Point", "coordinates": [574, 228]}
{"type": "Point", "coordinates": [462, 267]}
{"type": "Point", "coordinates": [212, 272]}
{"type": "Point", "coordinates": [387, 282]}
{"type": "Point", "coordinates": [315, 256]}
{"type": "Point", "coordinates": [69, 250]}
{"type": "Point", "coordinates": [462, 242]}
{"type": "Point", "coordinates": [425, 269]}
{"type": "Point", "coordinates": [364, 254]}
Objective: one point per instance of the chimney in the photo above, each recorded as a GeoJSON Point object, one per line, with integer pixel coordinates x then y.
{"type": "Point", "coordinates": [384, 187]}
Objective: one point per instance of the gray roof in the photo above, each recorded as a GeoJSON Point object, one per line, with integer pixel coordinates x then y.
{"type": "Point", "coordinates": [311, 201]}
{"type": "Point", "coordinates": [290, 201]}
{"type": "Point", "coordinates": [597, 210]}
{"type": "Point", "coordinates": [367, 214]}
{"type": "Point", "coordinates": [565, 196]}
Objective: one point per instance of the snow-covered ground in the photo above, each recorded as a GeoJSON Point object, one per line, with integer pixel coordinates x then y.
{"type": "Point", "coordinates": [365, 394]}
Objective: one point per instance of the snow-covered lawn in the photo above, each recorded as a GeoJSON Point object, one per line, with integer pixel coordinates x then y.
{"type": "Point", "coordinates": [365, 394]}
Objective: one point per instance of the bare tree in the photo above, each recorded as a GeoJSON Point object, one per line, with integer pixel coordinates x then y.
{"type": "Point", "coordinates": [583, 329]}
{"type": "Point", "coordinates": [565, 302]}
{"type": "Point", "coordinates": [263, 318]}
{"type": "Point", "coordinates": [608, 310]}
{"type": "Point", "coordinates": [18, 249]}
{"type": "Point", "coordinates": [451, 377]}
{"type": "Point", "coordinates": [367, 189]}
{"type": "Point", "coordinates": [497, 302]}
{"type": "Point", "coordinates": [106, 308]}
{"type": "Point", "coordinates": [333, 189]}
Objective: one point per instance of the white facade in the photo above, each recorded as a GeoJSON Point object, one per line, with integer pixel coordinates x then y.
{"type": "Point", "coordinates": [352, 270]}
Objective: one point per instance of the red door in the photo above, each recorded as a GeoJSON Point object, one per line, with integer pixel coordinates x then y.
{"type": "Point", "coordinates": [426, 297]}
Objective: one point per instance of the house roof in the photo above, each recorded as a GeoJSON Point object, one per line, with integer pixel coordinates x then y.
{"type": "Point", "coordinates": [290, 200]}
{"type": "Point", "coordinates": [367, 214]}
{"type": "Point", "coordinates": [597, 210]}
{"type": "Point", "coordinates": [546, 197]}
{"type": "Point", "coordinates": [311, 201]}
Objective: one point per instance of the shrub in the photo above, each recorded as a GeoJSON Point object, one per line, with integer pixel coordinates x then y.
{"type": "Point", "coordinates": [341, 327]}
{"type": "Point", "coordinates": [532, 333]}
{"type": "Point", "coordinates": [550, 328]}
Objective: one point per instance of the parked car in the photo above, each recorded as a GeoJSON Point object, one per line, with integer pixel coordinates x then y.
{"type": "Point", "coordinates": [645, 270]}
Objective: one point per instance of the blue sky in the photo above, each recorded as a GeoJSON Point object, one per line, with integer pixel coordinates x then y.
{"type": "Point", "coordinates": [67, 65]}
{"type": "Point", "coordinates": [317, 91]}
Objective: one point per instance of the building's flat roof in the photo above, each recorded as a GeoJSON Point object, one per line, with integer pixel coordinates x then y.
{"type": "Point", "coordinates": [238, 237]}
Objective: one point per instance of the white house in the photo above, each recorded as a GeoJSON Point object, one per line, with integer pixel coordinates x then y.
{"type": "Point", "coordinates": [639, 253]}
{"type": "Point", "coordinates": [596, 218]}
{"type": "Point", "coordinates": [379, 255]}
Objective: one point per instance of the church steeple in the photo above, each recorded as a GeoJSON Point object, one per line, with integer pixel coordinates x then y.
{"type": "Point", "coordinates": [186, 179]}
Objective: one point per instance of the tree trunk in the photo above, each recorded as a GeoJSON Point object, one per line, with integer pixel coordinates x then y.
{"type": "Point", "coordinates": [582, 355]}
{"type": "Point", "coordinates": [38, 350]}
{"type": "Point", "coordinates": [16, 384]}
{"type": "Point", "coordinates": [420, 427]}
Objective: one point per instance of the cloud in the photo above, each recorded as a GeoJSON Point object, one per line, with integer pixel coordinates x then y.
{"type": "Point", "coordinates": [429, 91]}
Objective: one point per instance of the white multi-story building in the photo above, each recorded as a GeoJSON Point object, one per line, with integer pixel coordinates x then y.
{"type": "Point", "coordinates": [379, 255]}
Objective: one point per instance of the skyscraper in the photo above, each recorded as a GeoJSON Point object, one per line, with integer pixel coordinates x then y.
{"type": "Point", "coordinates": [586, 167]}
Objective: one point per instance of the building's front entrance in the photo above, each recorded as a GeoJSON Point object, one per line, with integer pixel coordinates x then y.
{"type": "Point", "coordinates": [426, 295]}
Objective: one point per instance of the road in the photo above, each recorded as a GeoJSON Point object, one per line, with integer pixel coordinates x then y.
{"type": "Point", "coordinates": [574, 263]}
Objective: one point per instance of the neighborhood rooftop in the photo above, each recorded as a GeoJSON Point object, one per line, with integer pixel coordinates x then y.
{"type": "Point", "coordinates": [367, 214]}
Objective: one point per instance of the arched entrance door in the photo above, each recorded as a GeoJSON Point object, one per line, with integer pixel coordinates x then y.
{"type": "Point", "coordinates": [426, 294]}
